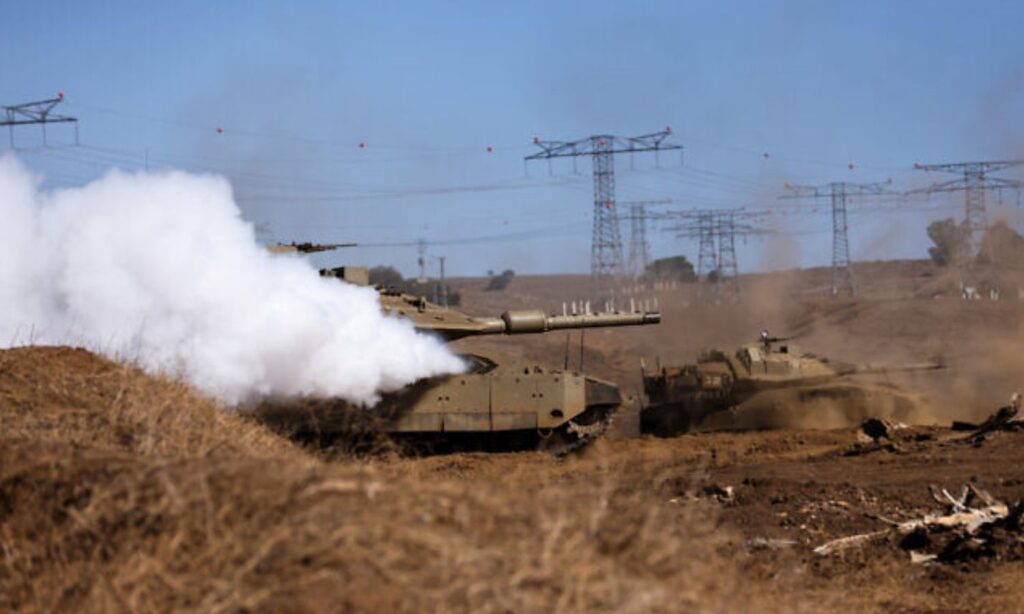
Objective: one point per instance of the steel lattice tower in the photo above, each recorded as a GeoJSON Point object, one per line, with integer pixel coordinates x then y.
{"type": "Point", "coordinates": [606, 258]}
{"type": "Point", "coordinates": [716, 231]}
{"type": "Point", "coordinates": [36, 113]}
{"type": "Point", "coordinates": [842, 274]}
{"type": "Point", "coordinates": [974, 184]}
{"type": "Point", "coordinates": [639, 219]}
{"type": "Point", "coordinates": [606, 242]}
{"type": "Point", "coordinates": [639, 249]}
{"type": "Point", "coordinates": [838, 192]}
{"type": "Point", "coordinates": [707, 259]}
{"type": "Point", "coordinates": [728, 271]}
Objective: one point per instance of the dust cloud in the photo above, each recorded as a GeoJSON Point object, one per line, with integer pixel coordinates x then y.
{"type": "Point", "coordinates": [161, 269]}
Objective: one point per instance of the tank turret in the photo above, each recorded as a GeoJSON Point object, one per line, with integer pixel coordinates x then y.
{"type": "Point", "coordinates": [498, 401]}
{"type": "Point", "coordinates": [768, 384]}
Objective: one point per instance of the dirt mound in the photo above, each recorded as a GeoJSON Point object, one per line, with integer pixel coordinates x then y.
{"type": "Point", "coordinates": [119, 491]}
{"type": "Point", "coordinates": [71, 396]}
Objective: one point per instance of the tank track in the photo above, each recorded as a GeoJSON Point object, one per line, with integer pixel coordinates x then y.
{"type": "Point", "coordinates": [585, 434]}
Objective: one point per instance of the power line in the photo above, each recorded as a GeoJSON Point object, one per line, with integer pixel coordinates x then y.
{"type": "Point", "coordinates": [606, 259]}
{"type": "Point", "coordinates": [838, 191]}
{"type": "Point", "coordinates": [716, 231]}
{"type": "Point", "coordinates": [38, 113]}
{"type": "Point", "coordinates": [974, 183]}
{"type": "Point", "coordinates": [639, 247]}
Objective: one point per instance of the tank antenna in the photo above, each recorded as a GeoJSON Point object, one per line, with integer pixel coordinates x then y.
{"type": "Point", "coordinates": [567, 337]}
{"type": "Point", "coordinates": [583, 332]}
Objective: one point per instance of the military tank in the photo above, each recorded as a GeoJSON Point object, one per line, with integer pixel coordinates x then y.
{"type": "Point", "coordinates": [769, 384]}
{"type": "Point", "coordinates": [306, 247]}
{"type": "Point", "coordinates": [499, 402]}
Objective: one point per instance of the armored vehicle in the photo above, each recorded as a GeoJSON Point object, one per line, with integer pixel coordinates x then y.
{"type": "Point", "coordinates": [305, 247]}
{"type": "Point", "coordinates": [769, 384]}
{"type": "Point", "coordinates": [497, 403]}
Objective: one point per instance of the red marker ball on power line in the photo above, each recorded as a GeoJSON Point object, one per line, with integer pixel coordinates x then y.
{"type": "Point", "coordinates": [60, 94]}
{"type": "Point", "coordinates": [362, 144]}
{"type": "Point", "coordinates": [220, 130]}
{"type": "Point", "coordinates": [850, 166]}
{"type": "Point", "coordinates": [766, 155]}
{"type": "Point", "coordinates": [668, 128]}
{"type": "Point", "coordinates": [490, 148]}
{"type": "Point", "coordinates": [536, 139]}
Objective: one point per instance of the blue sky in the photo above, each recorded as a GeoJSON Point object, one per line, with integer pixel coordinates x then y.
{"type": "Point", "coordinates": [427, 87]}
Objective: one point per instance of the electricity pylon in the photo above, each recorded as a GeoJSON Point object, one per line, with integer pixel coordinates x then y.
{"type": "Point", "coordinates": [974, 183]}
{"type": "Point", "coordinates": [606, 258]}
{"type": "Point", "coordinates": [36, 113]}
{"type": "Point", "coordinates": [716, 231]}
{"type": "Point", "coordinates": [838, 191]}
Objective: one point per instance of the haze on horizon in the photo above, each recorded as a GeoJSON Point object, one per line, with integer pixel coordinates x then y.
{"type": "Point", "coordinates": [758, 94]}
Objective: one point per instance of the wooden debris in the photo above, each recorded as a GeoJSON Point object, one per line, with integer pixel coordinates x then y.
{"type": "Point", "coordinates": [766, 543]}
{"type": "Point", "coordinates": [1005, 418]}
{"type": "Point", "coordinates": [920, 557]}
{"type": "Point", "coordinates": [972, 523]}
{"type": "Point", "coordinates": [848, 542]}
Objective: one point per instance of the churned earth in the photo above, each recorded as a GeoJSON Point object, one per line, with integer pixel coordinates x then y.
{"type": "Point", "coordinates": [121, 491]}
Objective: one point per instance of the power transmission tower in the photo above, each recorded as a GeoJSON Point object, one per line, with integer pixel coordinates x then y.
{"type": "Point", "coordinates": [639, 250]}
{"type": "Point", "coordinates": [974, 183]}
{"type": "Point", "coordinates": [716, 231]}
{"type": "Point", "coordinates": [606, 242]}
{"type": "Point", "coordinates": [838, 191]}
{"type": "Point", "coordinates": [707, 260]}
{"type": "Point", "coordinates": [728, 269]}
{"type": "Point", "coordinates": [36, 113]}
{"type": "Point", "coordinates": [639, 218]}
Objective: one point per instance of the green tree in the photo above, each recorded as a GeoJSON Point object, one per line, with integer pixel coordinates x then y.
{"type": "Point", "coordinates": [677, 268]}
{"type": "Point", "coordinates": [500, 282]}
{"type": "Point", "coordinates": [951, 241]}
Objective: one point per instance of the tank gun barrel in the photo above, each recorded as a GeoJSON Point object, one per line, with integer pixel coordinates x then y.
{"type": "Point", "coordinates": [536, 321]}
{"type": "Point", "coordinates": [306, 247]}
{"type": "Point", "coordinates": [882, 369]}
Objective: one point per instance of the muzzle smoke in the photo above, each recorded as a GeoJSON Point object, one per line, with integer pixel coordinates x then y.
{"type": "Point", "coordinates": [161, 269]}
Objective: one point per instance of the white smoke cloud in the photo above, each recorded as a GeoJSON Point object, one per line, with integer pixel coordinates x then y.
{"type": "Point", "coordinates": [161, 269]}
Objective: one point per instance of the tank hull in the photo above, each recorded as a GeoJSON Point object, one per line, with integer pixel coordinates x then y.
{"type": "Point", "coordinates": [813, 406]}
{"type": "Point", "coordinates": [506, 405]}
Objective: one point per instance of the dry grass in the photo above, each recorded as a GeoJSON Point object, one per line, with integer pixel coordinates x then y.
{"type": "Point", "coordinates": [123, 492]}
{"type": "Point", "coordinates": [63, 395]}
